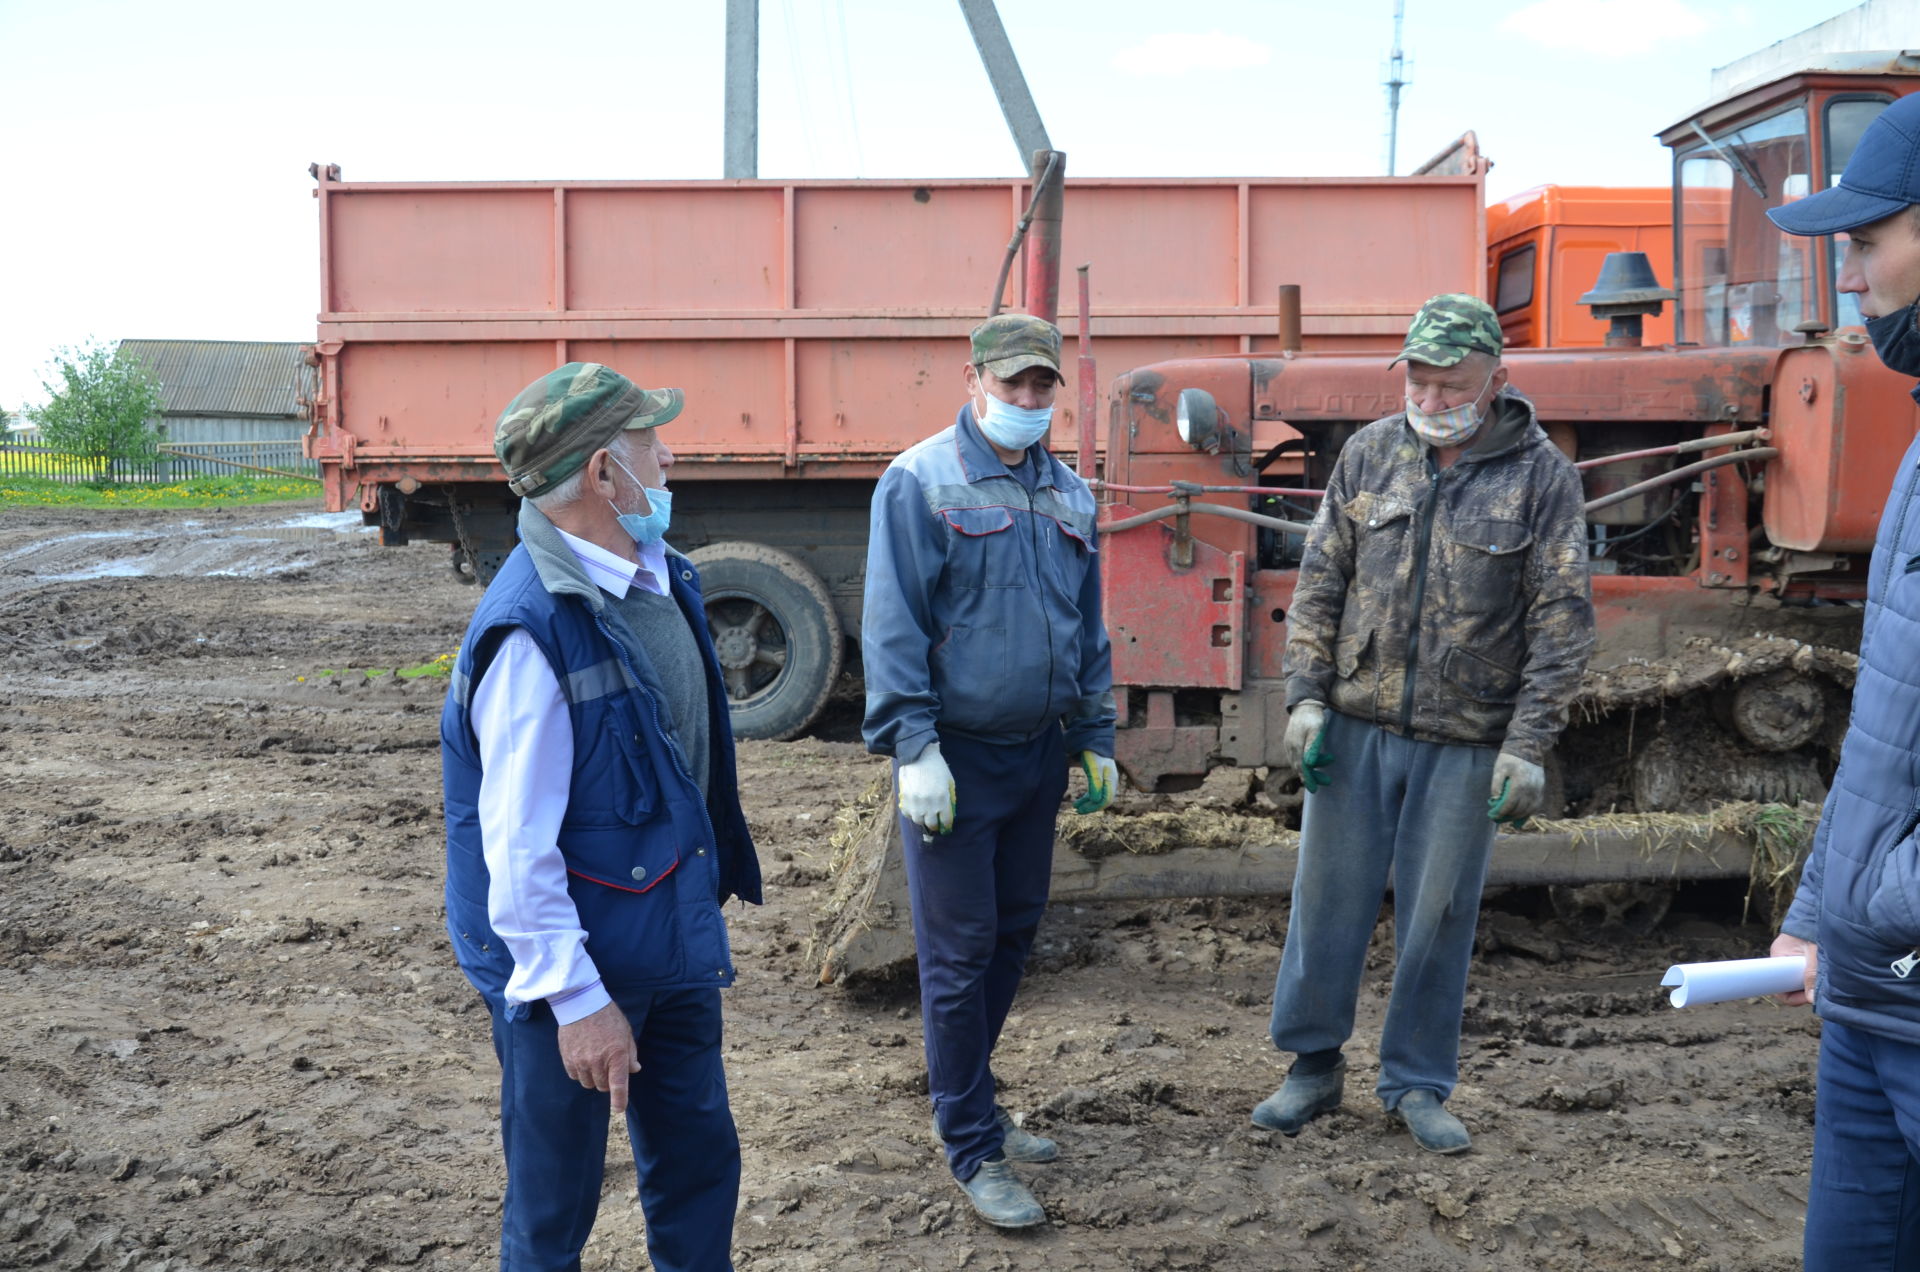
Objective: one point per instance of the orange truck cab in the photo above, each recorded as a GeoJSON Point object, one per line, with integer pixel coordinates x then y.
{"type": "Point", "coordinates": [1545, 247]}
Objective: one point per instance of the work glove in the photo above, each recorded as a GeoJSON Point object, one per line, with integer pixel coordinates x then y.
{"type": "Point", "coordinates": [927, 797]}
{"type": "Point", "coordinates": [1306, 742]}
{"type": "Point", "coordinates": [1103, 780]}
{"type": "Point", "coordinates": [1518, 788]}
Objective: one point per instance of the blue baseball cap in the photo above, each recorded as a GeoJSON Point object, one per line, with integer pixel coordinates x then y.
{"type": "Point", "coordinates": [1882, 178]}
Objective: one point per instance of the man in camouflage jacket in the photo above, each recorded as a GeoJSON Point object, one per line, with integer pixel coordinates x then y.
{"type": "Point", "coordinates": [1443, 614]}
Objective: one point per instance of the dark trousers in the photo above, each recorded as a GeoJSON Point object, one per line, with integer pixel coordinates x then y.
{"type": "Point", "coordinates": [1863, 1203]}
{"type": "Point", "coordinates": [977, 896]}
{"type": "Point", "coordinates": [1418, 809]}
{"type": "Point", "coordinates": [685, 1150]}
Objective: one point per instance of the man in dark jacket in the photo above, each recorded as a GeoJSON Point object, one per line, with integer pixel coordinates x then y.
{"type": "Point", "coordinates": [594, 831]}
{"type": "Point", "coordinates": [1856, 914]}
{"type": "Point", "coordinates": [1437, 634]}
{"type": "Point", "coordinates": [988, 672]}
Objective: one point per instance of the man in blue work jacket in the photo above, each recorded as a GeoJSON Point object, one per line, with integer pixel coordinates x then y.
{"type": "Point", "coordinates": [1856, 914]}
{"type": "Point", "coordinates": [987, 667]}
{"type": "Point", "coordinates": [594, 831]}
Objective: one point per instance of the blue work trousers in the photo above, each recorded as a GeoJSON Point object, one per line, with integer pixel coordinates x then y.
{"type": "Point", "coordinates": [1419, 809]}
{"type": "Point", "coordinates": [1863, 1203]}
{"type": "Point", "coordinates": [977, 896]}
{"type": "Point", "coordinates": [685, 1150]}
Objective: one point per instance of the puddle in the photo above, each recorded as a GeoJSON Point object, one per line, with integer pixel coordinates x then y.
{"type": "Point", "coordinates": [257, 571]}
{"type": "Point", "coordinates": [42, 545]}
{"type": "Point", "coordinates": [286, 534]}
{"type": "Point", "coordinates": [340, 522]}
{"type": "Point", "coordinates": [138, 568]}
{"type": "Point", "coordinates": [187, 548]}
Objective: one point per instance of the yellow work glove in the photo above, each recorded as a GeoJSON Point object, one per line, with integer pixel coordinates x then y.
{"type": "Point", "coordinates": [1103, 781]}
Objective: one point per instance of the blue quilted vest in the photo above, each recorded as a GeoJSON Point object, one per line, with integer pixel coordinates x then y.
{"type": "Point", "coordinates": [649, 863]}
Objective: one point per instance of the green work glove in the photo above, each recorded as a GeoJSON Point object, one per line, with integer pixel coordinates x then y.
{"type": "Point", "coordinates": [1519, 786]}
{"type": "Point", "coordinates": [1306, 744]}
{"type": "Point", "coordinates": [1103, 779]}
{"type": "Point", "coordinates": [1315, 762]}
{"type": "Point", "coordinates": [1496, 802]}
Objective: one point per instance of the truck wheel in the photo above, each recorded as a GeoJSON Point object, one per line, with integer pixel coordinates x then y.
{"type": "Point", "coordinates": [776, 635]}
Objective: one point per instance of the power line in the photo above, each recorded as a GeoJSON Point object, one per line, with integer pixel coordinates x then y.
{"type": "Point", "coordinates": [846, 80]}
{"type": "Point", "coordinates": [799, 86]}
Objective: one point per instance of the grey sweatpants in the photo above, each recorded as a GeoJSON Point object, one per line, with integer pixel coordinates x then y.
{"type": "Point", "coordinates": [1419, 808]}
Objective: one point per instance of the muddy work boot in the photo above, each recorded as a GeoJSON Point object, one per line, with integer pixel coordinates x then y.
{"type": "Point", "coordinates": [1023, 1145]}
{"type": "Point", "coordinates": [1434, 1129]}
{"type": "Point", "coordinates": [1000, 1198]}
{"type": "Point", "coordinates": [1019, 1145]}
{"type": "Point", "coordinates": [1301, 1098]}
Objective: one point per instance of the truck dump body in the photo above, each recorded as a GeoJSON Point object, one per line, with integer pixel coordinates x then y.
{"type": "Point", "coordinates": [815, 326]}
{"type": "Point", "coordinates": [818, 329]}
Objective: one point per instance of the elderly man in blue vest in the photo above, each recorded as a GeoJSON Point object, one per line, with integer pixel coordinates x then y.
{"type": "Point", "coordinates": [987, 666]}
{"type": "Point", "coordinates": [1856, 914]}
{"type": "Point", "coordinates": [594, 831]}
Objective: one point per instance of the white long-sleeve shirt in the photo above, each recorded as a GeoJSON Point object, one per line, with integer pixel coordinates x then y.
{"type": "Point", "coordinates": [526, 769]}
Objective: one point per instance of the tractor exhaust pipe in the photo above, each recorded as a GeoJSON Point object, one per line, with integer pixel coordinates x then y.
{"type": "Point", "coordinates": [1288, 310]}
{"type": "Point", "coordinates": [1043, 237]}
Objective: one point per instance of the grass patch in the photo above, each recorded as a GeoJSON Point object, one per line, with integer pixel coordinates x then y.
{"type": "Point", "coordinates": [439, 666]}
{"type": "Point", "coordinates": [200, 492]}
{"type": "Point", "coordinates": [1778, 837]}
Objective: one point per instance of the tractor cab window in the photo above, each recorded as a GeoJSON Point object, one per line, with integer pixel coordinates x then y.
{"type": "Point", "coordinates": [1847, 118]}
{"type": "Point", "coordinates": [1741, 280]}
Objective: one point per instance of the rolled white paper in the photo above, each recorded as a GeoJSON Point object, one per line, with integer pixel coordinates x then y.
{"type": "Point", "coordinates": [1736, 978]}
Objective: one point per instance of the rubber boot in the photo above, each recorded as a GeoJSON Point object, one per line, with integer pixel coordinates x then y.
{"type": "Point", "coordinates": [1020, 1145]}
{"type": "Point", "coordinates": [1301, 1099]}
{"type": "Point", "coordinates": [1434, 1129]}
{"type": "Point", "coordinates": [1000, 1198]}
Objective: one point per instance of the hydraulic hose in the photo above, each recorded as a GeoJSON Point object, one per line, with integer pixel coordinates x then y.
{"type": "Point", "coordinates": [1757, 454]}
{"type": "Point", "coordinates": [1680, 448]}
{"type": "Point", "coordinates": [1020, 235]}
{"type": "Point", "coordinates": [1194, 488]}
{"type": "Point", "coordinates": [1211, 510]}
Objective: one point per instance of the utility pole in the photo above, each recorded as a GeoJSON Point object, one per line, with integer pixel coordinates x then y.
{"type": "Point", "coordinates": [1396, 80]}
{"type": "Point", "coordinates": [742, 109]}
{"type": "Point", "coordinates": [1009, 85]}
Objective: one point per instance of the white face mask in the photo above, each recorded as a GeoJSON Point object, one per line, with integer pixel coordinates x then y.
{"type": "Point", "coordinates": [1451, 427]}
{"type": "Point", "coordinates": [1013, 427]}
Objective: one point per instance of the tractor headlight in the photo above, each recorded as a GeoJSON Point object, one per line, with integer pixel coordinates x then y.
{"type": "Point", "coordinates": [1197, 418]}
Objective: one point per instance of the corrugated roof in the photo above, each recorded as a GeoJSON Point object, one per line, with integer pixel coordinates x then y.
{"type": "Point", "coordinates": [225, 377]}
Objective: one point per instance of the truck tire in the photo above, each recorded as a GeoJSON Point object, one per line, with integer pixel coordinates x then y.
{"type": "Point", "coordinates": [776, 635]}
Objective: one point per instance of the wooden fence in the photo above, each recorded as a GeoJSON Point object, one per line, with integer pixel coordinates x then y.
{"type": "Point", "coordinates": [180, 461]}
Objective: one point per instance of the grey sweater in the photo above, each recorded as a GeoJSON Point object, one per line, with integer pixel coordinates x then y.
{"type": "Point", "coordinates": [650, 626]}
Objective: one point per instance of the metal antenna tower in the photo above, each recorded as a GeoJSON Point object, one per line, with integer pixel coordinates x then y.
{"type": "Point", "coordinates": [1396, 80]}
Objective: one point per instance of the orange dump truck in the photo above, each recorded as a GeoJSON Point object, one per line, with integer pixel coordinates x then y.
{"type": "Point", "coordinates": [1545, 247]}
{"type": "Point", "coordinates": [818, 329]}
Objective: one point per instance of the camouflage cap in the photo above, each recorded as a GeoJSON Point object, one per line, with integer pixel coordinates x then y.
{"type": "Point", "coordinates": [551, 428]}
{"type": "Point", "coordinates": [1008, 344]}
{"type": "Point", "coordinates": [1448, 328]}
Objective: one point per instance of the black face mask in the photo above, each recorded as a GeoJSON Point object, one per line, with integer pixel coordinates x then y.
{"type": "Point", "coordinates": [1897, 340]}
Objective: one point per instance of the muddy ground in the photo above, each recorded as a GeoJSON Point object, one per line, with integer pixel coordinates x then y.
{"type": "Point", "coordinates": [232, 1035]}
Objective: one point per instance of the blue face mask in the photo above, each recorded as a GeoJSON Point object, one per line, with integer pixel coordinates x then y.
{"type": "Point", "coordinates": [645, 527]}
{"type": "Point", "coordinates": [1013, 427]}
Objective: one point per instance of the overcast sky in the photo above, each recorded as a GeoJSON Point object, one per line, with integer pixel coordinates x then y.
{"type": "Point", "coordinates": [156, 153]}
